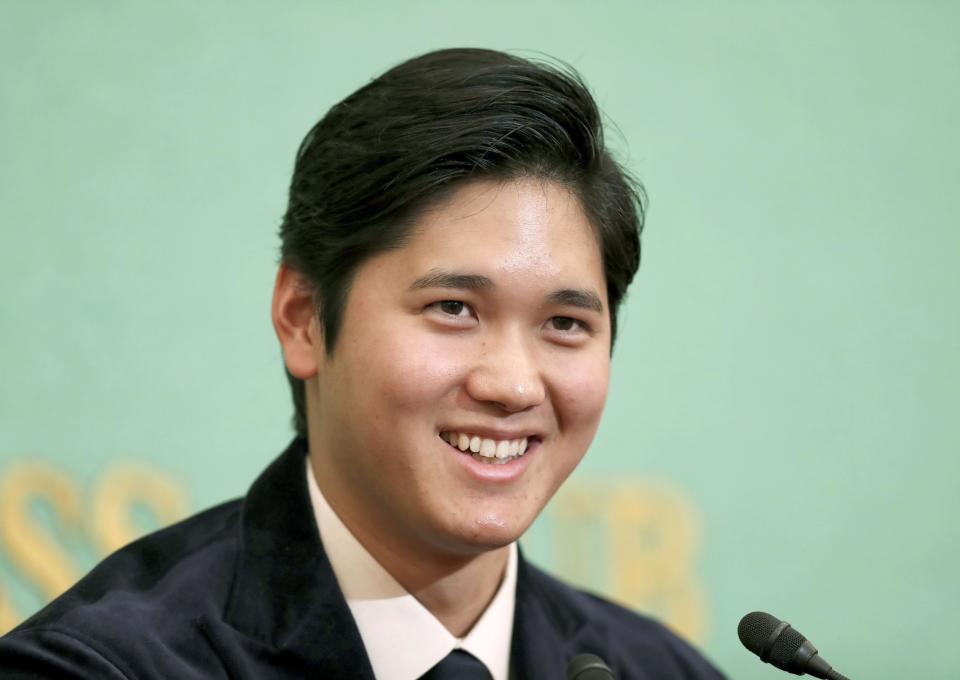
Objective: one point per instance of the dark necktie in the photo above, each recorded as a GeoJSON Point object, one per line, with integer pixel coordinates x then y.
{"type": "Point", "coordinates": [458, 665]}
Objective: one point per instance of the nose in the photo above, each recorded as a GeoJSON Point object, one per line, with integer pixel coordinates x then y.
{"type": "Point", "coordinates": [507, 374]}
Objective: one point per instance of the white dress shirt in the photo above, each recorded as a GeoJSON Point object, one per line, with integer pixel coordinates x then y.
{"type": "Point", "coordinates": [402, 638]}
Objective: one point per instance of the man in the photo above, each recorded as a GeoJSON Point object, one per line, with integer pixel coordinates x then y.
{"type": "Point", "coordinates": [455, 250]}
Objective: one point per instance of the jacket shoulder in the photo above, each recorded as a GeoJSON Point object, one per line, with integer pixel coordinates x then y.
{"type": "Point", "coordinates": [157, 585]}
{"type": "Point", "coordinates": [633, 644]}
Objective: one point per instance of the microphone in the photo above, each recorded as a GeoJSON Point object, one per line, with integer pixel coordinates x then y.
{"type": "Point", "coordinates": [774, 641]}
{"type": "Point", "coordinates": [588, 667]}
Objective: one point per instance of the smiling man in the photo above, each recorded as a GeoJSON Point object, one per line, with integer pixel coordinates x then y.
{"type": "Point", "coordinates": [456, 247]}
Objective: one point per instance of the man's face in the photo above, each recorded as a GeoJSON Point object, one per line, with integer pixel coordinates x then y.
{"type": "Point", "coordinates": [489, 327]}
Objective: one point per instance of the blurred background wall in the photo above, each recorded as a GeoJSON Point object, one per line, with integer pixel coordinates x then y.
{"type": "Point", "coordinates": [781, 431]}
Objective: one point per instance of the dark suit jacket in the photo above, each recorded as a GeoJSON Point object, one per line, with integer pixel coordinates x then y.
{"type": "Point", "coordinates": [245, 590]}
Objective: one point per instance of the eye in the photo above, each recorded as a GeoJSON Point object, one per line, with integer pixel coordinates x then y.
{"type": "Point", "coordinates": [451, 307]}
{"type": "Point", "coordinates": [456, 311]}
{"type": "Point", "coordinates": [563, 323]}
{"type": "Point", "coordinates": [567, 324]}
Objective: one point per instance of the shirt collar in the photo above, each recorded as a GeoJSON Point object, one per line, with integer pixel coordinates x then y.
{"type": "Point", "coordinates": [402, 638]}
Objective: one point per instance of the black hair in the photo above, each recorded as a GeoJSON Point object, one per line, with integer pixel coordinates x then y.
{"type": "Point", "coordinates": [414, 135]}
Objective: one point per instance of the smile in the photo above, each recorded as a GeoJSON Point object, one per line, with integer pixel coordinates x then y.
{"type": "Point", "coordinates": [485, 449]}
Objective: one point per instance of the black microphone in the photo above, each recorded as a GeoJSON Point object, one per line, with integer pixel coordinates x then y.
{"type": "Point", "coordinates": [588, 667]}
{"type": "Point", "coordinates": [774, 641]}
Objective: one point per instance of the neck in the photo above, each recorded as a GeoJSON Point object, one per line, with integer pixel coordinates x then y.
{"type": "Point", "coordinates": [458, 596]}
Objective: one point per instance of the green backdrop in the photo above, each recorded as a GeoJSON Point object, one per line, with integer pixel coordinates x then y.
{"type": "Point", "coordinates": [781, 430]}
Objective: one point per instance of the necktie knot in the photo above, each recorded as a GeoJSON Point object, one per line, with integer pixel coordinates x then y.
{"type": "Point", "coordinates": [458, 665]}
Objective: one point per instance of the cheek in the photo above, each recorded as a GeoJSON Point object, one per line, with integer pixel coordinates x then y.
{"type": "Point", "coordinates": [580, 394]}
{"type": "Point", "coordinates": [406, 371]}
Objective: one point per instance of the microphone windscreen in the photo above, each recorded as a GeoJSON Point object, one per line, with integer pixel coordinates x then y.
{"type": "Point", "coordinates": [755, 630]}
{"type": "Point", "coordinates": [588, 667]}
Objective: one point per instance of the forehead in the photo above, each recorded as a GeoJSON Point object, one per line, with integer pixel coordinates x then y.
{"type": "Point", "coordinates": [508, 227]}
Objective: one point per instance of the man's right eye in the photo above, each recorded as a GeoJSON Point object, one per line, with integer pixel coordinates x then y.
{"type": "Point", "coordinates": [452, 313]}
{"type": "Point", "coordinates": [451, 307]}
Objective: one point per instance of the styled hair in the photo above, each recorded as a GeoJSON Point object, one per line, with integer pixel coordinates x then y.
{"type": "Point", "coordinates": [411, 137]}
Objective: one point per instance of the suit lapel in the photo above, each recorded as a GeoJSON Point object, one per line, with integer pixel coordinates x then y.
{"type": "Point", "coordinates": [551, 627]}
{"type": "Point", "coordinates": [545, 634]}
{"type": "Point", "coordinates": [286, 615]}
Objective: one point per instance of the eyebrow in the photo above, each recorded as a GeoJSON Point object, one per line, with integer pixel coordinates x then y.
{"type": "Point", "coordinates": [440, 278]}
{"type": "Point", "coordinates": [568, 297]}
{"type": "Point", "coordinates": [583, 299]}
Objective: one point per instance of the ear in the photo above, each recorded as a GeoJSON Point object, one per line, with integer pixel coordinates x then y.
{"type": "Point", "coordinates": [294, 316]}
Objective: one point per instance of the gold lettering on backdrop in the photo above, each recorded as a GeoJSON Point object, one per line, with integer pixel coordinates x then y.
{"type": "Point", "coordinates": [32, 549]}
{"type": "Point", "coordinates": [578, 517]}
{"type": "Point", "coordinates": [649, 542]}
{"type": "Point", "coordinates": [38, 557]}
{"type": "Point", "coordinates": [9, 617]}
{"type": "Point", "coordinates": [116, 496]}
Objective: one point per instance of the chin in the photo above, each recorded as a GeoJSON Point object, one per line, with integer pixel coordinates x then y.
{"type": "Point", "coordinates": [491, 531]}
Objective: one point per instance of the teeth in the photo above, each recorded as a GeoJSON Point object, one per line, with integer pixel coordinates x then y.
{"type": "Point", "coordinates": [491, 449]}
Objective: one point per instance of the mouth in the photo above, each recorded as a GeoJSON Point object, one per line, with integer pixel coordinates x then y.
{"type": "Point", "coordinates": [487, 450]}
